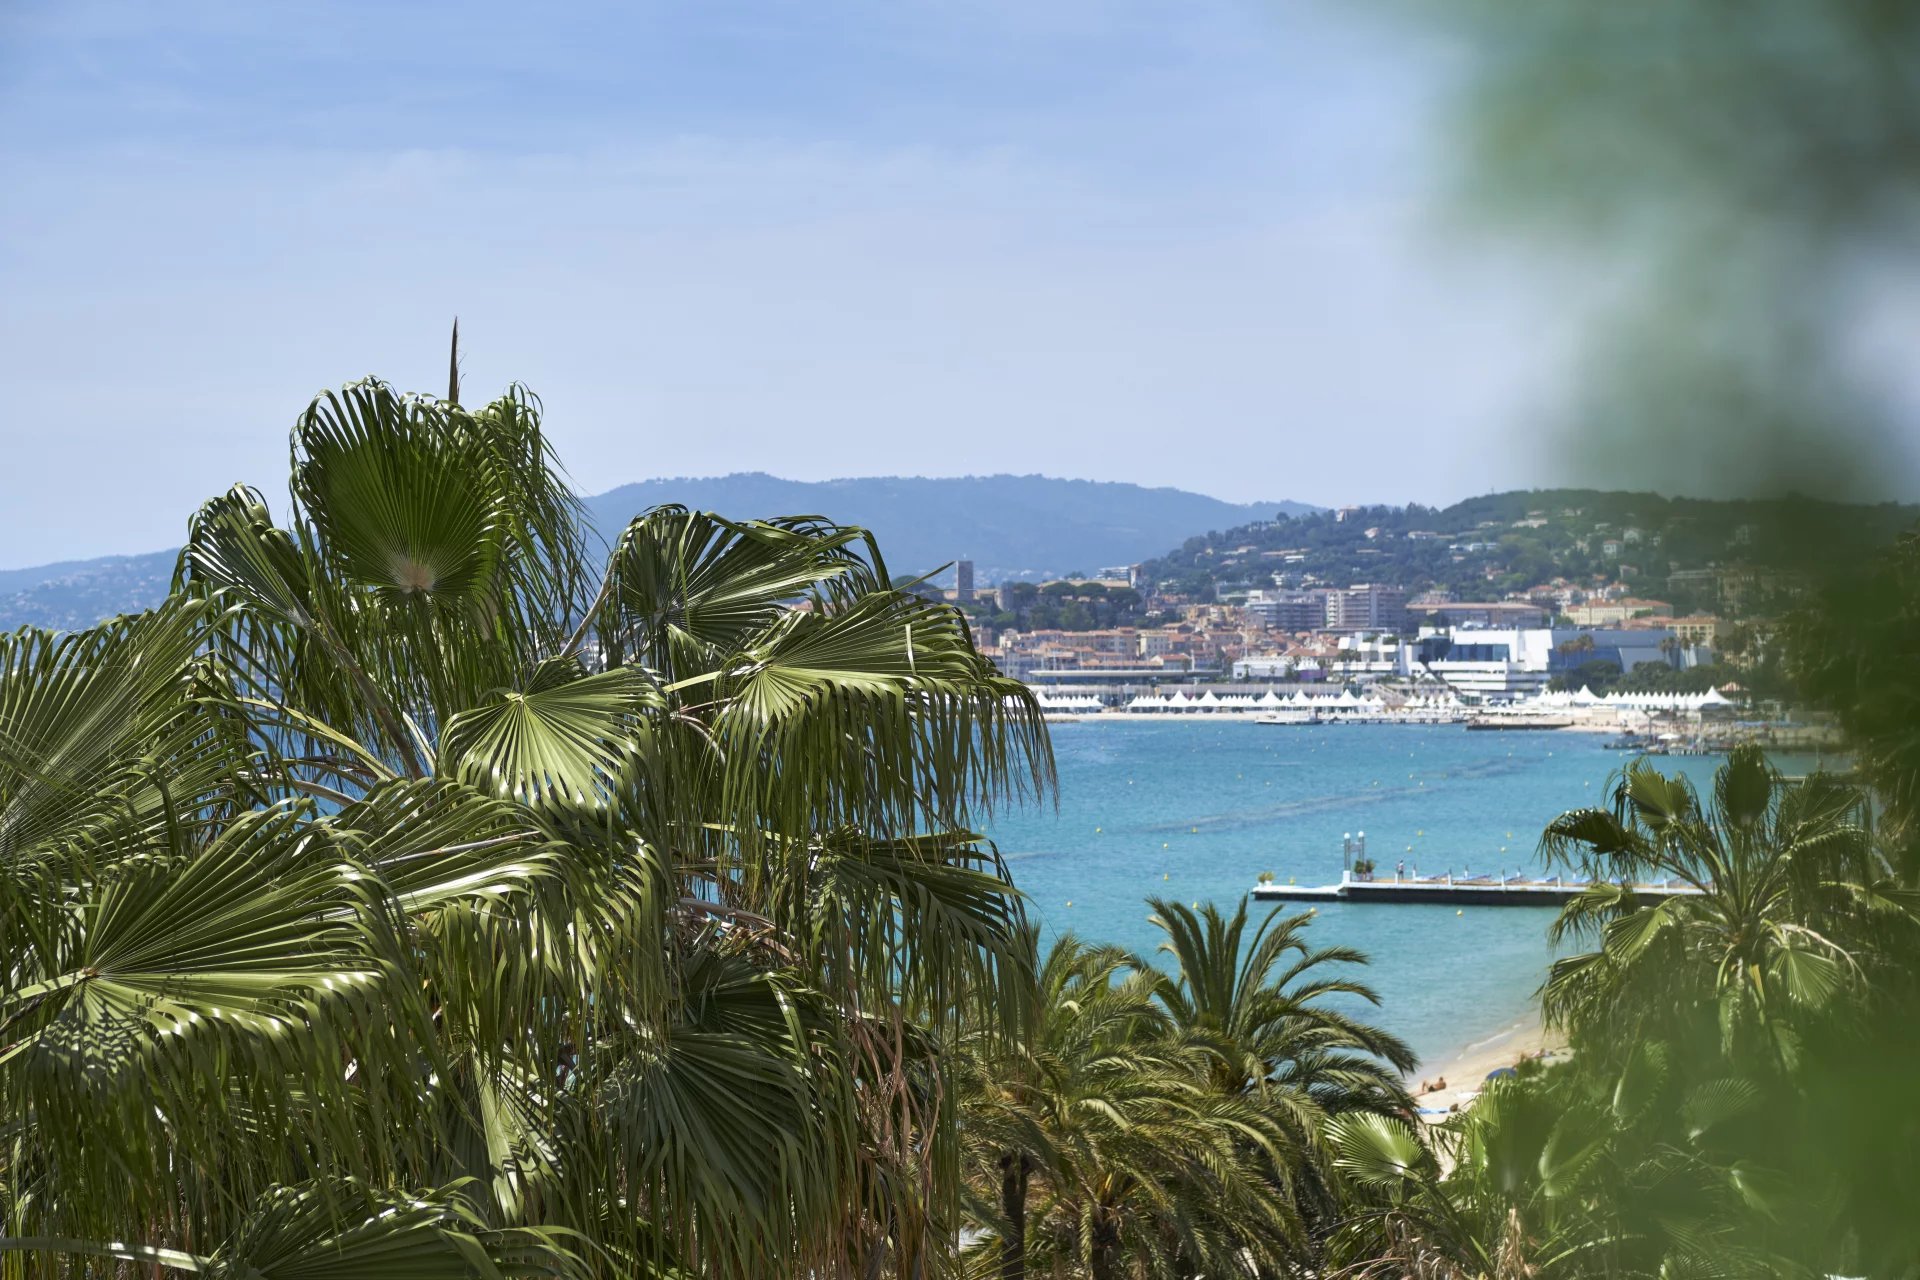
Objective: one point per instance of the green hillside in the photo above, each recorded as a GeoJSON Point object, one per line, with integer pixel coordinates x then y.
{"type": "Point", "coordinates": [1489, 546]}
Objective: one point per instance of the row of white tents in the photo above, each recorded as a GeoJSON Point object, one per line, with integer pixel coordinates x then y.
{"type": "Point", "coordinates": [1346, 701]}
{"type": "Point", "coordinates": [1069, 702]}
{"type": "Point", "coordinates": [1684, 703]}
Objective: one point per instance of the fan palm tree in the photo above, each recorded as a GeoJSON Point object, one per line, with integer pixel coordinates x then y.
{"type": "Point", "coordinates": [412, 895]}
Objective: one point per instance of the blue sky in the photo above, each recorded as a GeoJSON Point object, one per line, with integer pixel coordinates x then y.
{"type": "Point", "coordinates": [1187, 243]}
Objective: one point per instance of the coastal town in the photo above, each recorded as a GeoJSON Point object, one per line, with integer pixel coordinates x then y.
{"type": "Point", "coordinates": [1604, 647]}
{"type": "Point", "coordinates": [1482, 650]}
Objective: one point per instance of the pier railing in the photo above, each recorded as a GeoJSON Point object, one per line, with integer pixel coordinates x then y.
{"type": "Point", "coordinates": [1474, 891]}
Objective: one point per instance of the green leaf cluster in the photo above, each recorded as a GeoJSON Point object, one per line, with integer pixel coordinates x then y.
{"type": "Point", "coordinates": [1138, 1120]}
{"type": "Point", "coordinates": [421, 890]}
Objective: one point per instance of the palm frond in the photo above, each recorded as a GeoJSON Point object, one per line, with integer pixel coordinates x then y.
{"type": "Point", "coordinates": [560, 740]}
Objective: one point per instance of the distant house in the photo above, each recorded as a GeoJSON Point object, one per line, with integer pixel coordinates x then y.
{"type": "Point", "coordinates": [1611, 613]}
{"type": "Point", "coordinates": [1699, 629]}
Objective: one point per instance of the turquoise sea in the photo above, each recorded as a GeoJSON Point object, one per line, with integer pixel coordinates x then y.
{"type": "Point", "coordinates": [1196, 811]}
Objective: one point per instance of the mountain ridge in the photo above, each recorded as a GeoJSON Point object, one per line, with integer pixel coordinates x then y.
{"type": "Point", "coordinates": [1011, 526]}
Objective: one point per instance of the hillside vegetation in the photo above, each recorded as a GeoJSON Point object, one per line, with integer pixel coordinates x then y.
{"type": "Point", "coordinates": [1490, 546]}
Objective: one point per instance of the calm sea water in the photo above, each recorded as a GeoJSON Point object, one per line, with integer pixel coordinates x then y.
{"type": "Point", "coordinates": [1196, 811]}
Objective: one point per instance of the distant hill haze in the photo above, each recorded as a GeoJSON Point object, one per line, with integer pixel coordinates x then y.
{"type": "Point", "coordinates": [1009, 526]}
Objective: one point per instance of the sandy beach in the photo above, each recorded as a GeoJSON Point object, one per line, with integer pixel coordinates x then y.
{"type": "Point", "coordinates": [1466, 1071]}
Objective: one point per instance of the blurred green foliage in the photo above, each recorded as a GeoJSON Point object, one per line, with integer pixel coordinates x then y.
{"type": "Point", "coordinates": [1737, 181]}
{"type": "Point", "coordinates": [1856, 651]}
{"type": "Point", "coordinates": [1736, 1103]}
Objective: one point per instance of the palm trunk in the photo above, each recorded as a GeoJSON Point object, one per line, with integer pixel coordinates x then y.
{"type": "Point", "coordinates": [1105, 1237]}
{"type": "Point", "coordinates": [1014, 1168]}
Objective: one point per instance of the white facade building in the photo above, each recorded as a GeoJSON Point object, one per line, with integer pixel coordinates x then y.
{"type": "Point", "coordinates": [1502, 664]}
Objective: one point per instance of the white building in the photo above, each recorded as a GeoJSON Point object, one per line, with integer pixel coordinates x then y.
{"type": "Point", "coordinates": [1501, 664]}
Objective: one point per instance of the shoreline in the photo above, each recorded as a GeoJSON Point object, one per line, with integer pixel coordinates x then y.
{"type": "Point", "coordinates": [1244, 717]}
{"type": "Point", "coordinates": [1465, 1070]}
{"type": "Point", "coordinates": [1792, 745]}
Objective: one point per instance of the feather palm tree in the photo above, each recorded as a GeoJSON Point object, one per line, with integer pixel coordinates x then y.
{"type": "Point", "coordinates": [1733, 1045]}
{"type": "Point", "coordinates": [1785, 888]}
{"type": "Point", "coordinates": [1131, 1122]}
{"type": "Point", "coordinates": [1263, 1009]}
{"type": "Point", "coordinates": [1030, 1080]}
{"type": "Point", "coordinates": [413, 895]}
{"type": "Point", "coordinates": [1265, 1006]}
{"type": "Point", "coordinates": [1098, 1148]}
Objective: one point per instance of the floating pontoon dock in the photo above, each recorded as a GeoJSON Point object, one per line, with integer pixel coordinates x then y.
{"type": "Point", "coordinates": [1479, 891]}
